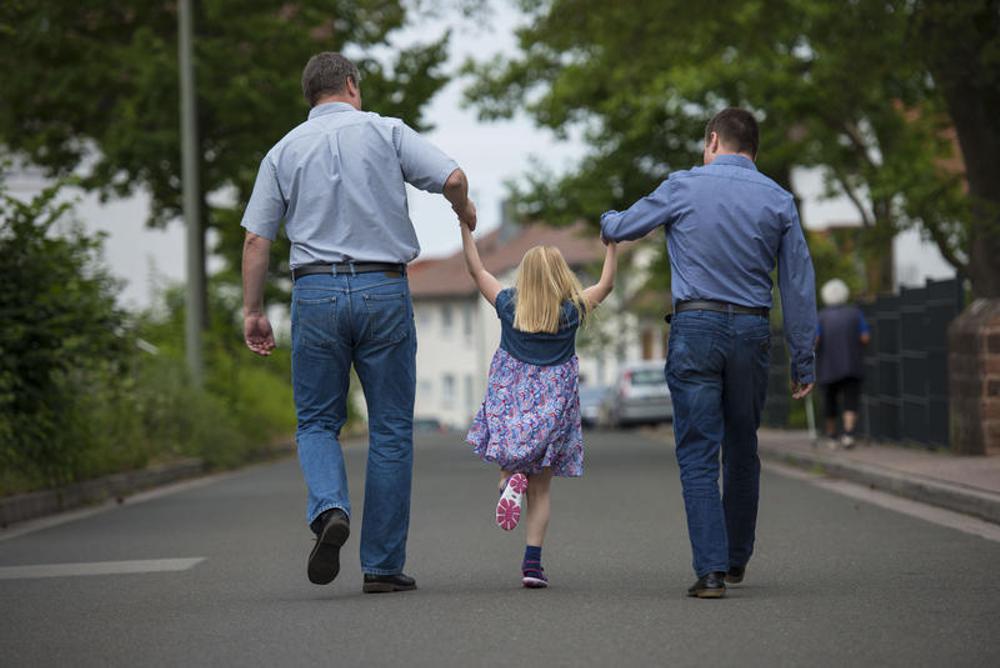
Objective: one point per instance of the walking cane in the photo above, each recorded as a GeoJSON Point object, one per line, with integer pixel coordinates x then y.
{"type": "Point", "coordinates": [811, 419]}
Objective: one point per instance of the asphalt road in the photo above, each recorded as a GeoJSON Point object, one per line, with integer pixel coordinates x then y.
{"type": "Point", "coordinates": [835, 581]}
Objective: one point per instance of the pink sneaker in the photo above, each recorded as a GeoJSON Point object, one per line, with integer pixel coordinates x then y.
{"type": "Point", "coordinates": [509, 505]}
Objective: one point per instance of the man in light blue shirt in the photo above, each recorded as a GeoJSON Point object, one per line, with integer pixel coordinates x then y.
{"type": "Point", "coordinates": [727, 226]}
{"type": "Point", "coordinates": [337, 181]}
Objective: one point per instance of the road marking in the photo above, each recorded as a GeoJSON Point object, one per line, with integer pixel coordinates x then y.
{"type": "Point", "coordinates": [98, 568]}
{"type": "Point", "coordinates": [939, 516]}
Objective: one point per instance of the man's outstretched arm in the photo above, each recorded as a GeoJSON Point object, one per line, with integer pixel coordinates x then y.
{"type": "Point", "coordinates": [456, 191]}
{"type": "Point", "coordinates": [639, 219]}
{"type": "Point", "coordinates": [256, 328]}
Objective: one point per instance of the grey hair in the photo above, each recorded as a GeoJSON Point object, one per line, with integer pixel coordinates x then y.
{"type": "Point", "coordinates": [327, 73]}
{"type": "Point", "coordinates": [834, 292]}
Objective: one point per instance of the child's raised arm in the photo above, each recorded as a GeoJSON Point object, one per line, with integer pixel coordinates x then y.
{"type": "Point", "coordinates": [596, 294]}
{"type": "Point", "coordinates": [485, 281]}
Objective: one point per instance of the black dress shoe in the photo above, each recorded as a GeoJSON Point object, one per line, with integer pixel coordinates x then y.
{"type": "Point", "coordinates": [712, 585]}
{"type": "Point", "coordinates": [332, 529]}
{"type": "Point", "coordinates": [735, 574]}
{"type": "Point", "coordinates": [383, 584]}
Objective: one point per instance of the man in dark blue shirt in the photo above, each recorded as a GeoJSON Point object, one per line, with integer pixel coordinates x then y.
{"type": "Point", "coordinates": [727, 226]}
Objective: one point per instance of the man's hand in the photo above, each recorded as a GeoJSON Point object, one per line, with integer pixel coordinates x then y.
{"type": "Point", "coordinates": [467, 214]}
{"type": "Point", "coordinates": [801, 390]}
{"type": "Point", "coordinates": [257, 333]}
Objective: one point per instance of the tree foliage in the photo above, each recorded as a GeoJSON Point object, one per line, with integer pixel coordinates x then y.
{"type": "Point", "coordinates": [92, 86]}
{"type": "Point", "coordinates": [61, 329]}
{"type": "Point", "coordinates": [78, 399]}
{"type": "Point", "coordinates": [843, 86]}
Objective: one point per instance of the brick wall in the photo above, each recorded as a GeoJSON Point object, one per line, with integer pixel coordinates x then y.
{"type": "Point", "coordinates": [974, 379]}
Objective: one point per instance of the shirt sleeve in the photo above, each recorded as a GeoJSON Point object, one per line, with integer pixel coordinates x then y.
{"type": "Point", "coordinates": [797, 283]}
{"type": "Point", "coordinates": [863, 327]}
{"type": "Point", "coordinates": [639, 219]}
{"type": "Point", "coordinates": [502, 302]}
{"type": "Point", "coordinates": [267, 206]}
{"type": "Point", "coordinates": [424, 165]}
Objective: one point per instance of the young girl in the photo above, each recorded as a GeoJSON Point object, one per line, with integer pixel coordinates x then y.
{"type": "Point", "coordinates": [529, 423]}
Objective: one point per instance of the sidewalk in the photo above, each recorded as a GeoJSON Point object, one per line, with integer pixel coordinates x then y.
{"type": "Point", "coordinates": [969, 485]}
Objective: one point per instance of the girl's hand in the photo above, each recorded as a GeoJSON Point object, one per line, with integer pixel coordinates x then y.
{"type": "Point", "coordinates": [467, 214]}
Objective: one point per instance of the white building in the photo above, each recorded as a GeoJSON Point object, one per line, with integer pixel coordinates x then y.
{"type": "Point", "coordinates": [458, 331]}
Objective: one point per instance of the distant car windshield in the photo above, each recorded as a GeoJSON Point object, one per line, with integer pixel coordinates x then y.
{"type": "Point", "coordinates": [648, 377]}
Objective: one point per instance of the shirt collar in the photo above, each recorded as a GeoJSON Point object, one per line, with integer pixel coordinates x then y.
{"type": "Point", "coordinates": [329, 108]}
{"type": "Point", "coordinates": [735, 160]}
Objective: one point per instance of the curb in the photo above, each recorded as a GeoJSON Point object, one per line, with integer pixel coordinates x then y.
{"type": "Point", "coordinates": [959, 498]}
{"type": "Point", "coordinates": [21, 507]}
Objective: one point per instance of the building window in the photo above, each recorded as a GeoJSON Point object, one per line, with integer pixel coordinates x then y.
{"type": "Point", "coordinates": [448, 390]}
{"type": "Point", "coordinates": [647, 343]}
{"type": "Point", "coordinates": [467, 313]}
{"type": "Point", "coordinates": [424, 316]}
{"type": "Point", "coordinates": [446, 318]}
{"type": "Point", "coordinates": [426, 389]}
{"type": "Point", "coordinates": [469, 398]}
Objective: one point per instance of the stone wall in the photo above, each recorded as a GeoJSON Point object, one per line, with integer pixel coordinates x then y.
{"type": "Point", "coordinates": [974, 379]}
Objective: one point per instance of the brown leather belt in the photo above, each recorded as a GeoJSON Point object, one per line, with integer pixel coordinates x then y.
{"type": "Point", "coordinates": [347, 268]}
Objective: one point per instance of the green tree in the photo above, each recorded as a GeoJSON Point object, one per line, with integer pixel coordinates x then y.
{"type": "Point", "coordinates": [960, 44]}
{"type": "Point", "coordinates": [93, 87]}
{"type": "Point", "coordinates": [839, 85]}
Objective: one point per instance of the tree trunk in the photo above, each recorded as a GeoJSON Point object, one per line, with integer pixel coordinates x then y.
{"type": "Point", "coordinates": [980, 141]}
{"type": "Point", "coordinates": [970, 82]}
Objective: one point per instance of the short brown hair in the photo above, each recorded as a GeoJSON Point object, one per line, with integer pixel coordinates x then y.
{"type": "Point", "coordinates": [737, 129]}
{"type": "Point", "coordinates": [327, 73]}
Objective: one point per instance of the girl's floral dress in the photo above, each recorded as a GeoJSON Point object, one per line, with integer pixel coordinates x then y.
{"type": "Point", "coordinates": [530, 418]}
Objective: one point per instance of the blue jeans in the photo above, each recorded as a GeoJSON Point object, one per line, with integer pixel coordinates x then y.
{"type": "Point", "coordinates": [717, 373]}
{"type": "Point", "coordinates": [365, 320]}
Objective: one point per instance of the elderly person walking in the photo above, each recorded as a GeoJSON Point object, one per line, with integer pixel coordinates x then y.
{"type": "Point", "coordinates": [726, 225]}
{"type": "Point", "coordinates": [338, 182]}
{"type": "Point", "coordinates": [840, 339]}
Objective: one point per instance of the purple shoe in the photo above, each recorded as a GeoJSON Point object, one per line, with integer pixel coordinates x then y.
{"type": "Point", "coordinates": [533, 575]}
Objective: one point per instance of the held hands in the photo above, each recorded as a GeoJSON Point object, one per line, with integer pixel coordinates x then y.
{"type": "Point", "coordinates": [466, 214]}
{"type": "Point", "coordinates": [801, 390]}
{"type": "Point", "coordinates": [258, 334]}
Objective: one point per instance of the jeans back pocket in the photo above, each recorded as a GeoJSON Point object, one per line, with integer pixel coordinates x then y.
{"type": "Point", "coordinates": [314, 320]}
{"type": "Point", "coordinates": [388, 320]}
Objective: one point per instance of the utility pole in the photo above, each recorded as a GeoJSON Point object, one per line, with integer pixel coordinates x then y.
{"type": "Point", "coordinates": [195, 301]}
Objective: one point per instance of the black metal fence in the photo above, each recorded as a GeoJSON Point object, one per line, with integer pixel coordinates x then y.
{"type": "Point", "coordinates": [905, 396]}
{"type": "Point", "coordinates": [778, 406]}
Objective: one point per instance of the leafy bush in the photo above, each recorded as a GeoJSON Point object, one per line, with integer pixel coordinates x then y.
{"type": "Point", "coordinates": [62, 335]}
{"type": "Point", "coordinates": [78, 399]}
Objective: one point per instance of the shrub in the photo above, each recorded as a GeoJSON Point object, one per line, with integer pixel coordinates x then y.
{"type": "Point", "coordinates": [78, 399]}
{"type": "Point", "coordinates": [62, 336]}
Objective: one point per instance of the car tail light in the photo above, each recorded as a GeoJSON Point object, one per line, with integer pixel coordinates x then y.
{"type": "Point", "coordinates": [625, 384]}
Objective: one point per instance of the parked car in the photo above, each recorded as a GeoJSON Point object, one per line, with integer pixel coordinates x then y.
{"type": "Point", "coordinates": [641, 396]}
{"type": "Point", "coordinates": [593, 405]}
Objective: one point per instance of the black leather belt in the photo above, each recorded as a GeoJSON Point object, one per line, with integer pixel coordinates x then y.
{"type": "Point", "coordinates": [718, 307]}
{"type": "Point", "coordinates": [347, 268]}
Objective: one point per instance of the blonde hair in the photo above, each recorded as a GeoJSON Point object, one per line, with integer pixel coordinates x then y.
{"type": "Point", "coordinates": [544, 282]}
